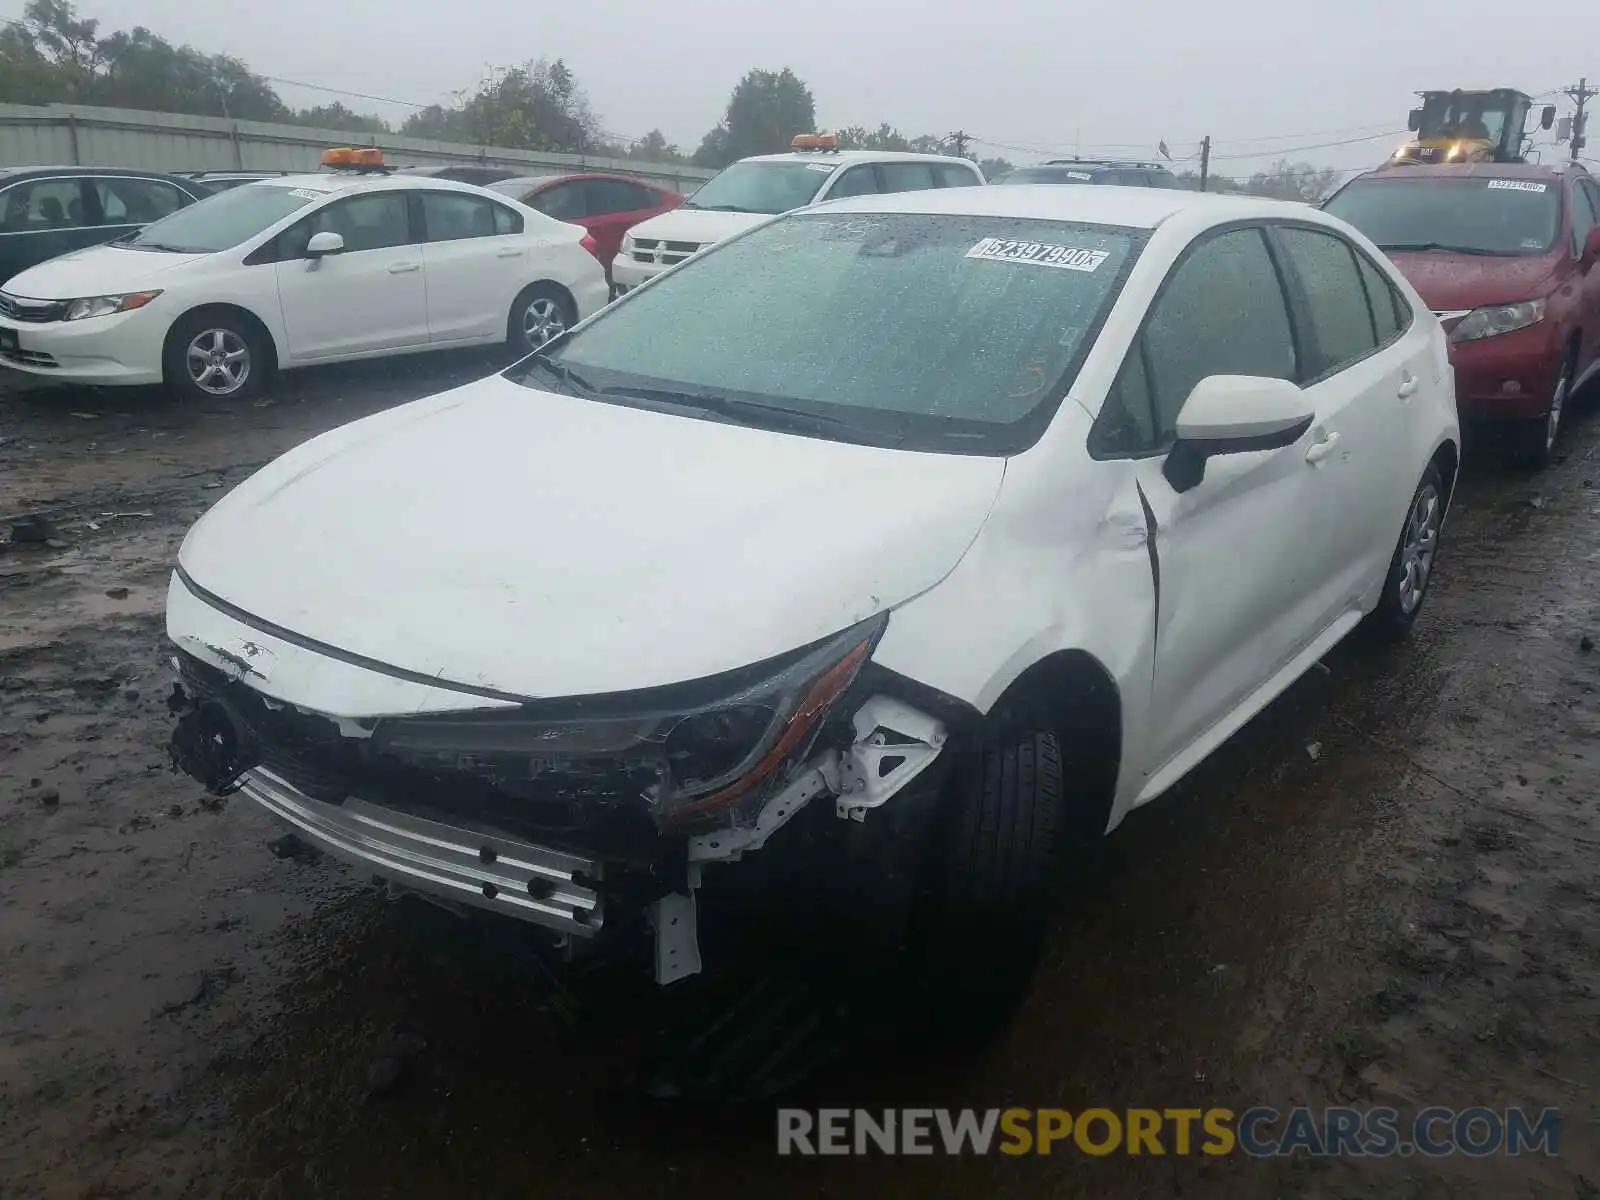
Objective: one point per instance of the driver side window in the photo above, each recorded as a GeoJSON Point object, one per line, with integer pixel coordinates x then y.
{"type": "Point", "coordinates": [373, 222]}
{"type": "Point", "coordinates": [1221, 312]}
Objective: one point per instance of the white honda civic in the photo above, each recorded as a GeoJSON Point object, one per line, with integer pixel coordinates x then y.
{"type": "Point", "coordinates": [886, 555]}
{"type": "Point", "coordinates": [300, 270]}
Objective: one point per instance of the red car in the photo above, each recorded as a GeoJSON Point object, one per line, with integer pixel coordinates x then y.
{"type": "Point", "coordinates": [1504, 254]}
{"type": "Point", "coordinates": [606, 205]}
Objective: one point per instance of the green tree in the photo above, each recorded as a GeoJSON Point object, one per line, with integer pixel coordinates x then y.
{"type": "Point", "coordinates": [993, 168]}
{"type": "Point", "coordinates": [1292, 181]}
{"type": "Point", "coordinates": [537, 106]}
{"type": "Point", "coordinates": [654, 147]}
{"type": "Point", "coordinates": [765, 111]}
{"type": "Point", "coordinates": [337, 116]}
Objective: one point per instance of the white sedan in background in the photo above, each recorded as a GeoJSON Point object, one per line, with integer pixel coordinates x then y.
{"type": "Point", "coordinates": [300, 270]}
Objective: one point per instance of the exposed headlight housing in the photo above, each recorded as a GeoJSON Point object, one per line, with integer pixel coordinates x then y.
{"type": "Point", "coordinates": [1495, 319]}
{"type": "Point", "coordinates": [105, 306]}
{"type": "Point", "coordinates": [702, 752]}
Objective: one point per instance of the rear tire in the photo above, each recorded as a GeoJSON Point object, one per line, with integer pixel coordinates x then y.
{"type": "Point", "coordinates": [1405, 588]}
{"type": "Point", "coordinates": [214, 355]}
{"type": "Point", "coordinates": [541, 312]}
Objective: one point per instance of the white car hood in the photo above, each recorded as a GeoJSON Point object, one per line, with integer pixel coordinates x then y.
{"type": "Point", "coordinates": [97, 271]}
{"type": "Point", "coordinates": [696, 225]}
{"type": "Point", "coordinates": [543, 545]}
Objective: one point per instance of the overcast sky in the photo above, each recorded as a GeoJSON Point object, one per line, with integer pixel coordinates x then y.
{"type": "Point", "coordinates": [1259, 76]}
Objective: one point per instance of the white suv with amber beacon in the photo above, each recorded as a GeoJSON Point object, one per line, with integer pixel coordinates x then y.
{"type": "Point", "coordinates": [753, 189]}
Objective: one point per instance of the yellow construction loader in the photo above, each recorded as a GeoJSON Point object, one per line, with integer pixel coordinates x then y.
{"type": "Point", "coordinates": [1469, 126]}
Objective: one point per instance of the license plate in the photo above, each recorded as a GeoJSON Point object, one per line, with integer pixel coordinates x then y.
{"type": "Point", "coordinates": [8, 341]}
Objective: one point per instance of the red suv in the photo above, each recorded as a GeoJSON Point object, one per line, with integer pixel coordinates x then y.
{"type": "Point", "coordinates": [1504, 254]}
{"type": "Point", "coordinates": [606, 205]}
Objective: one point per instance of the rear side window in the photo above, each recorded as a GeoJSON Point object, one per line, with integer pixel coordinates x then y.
{"type": "Point", "coordinates": [857, 181]}
{"type": "Point", "coordinates": [1381, 299]}
{"type": "Point", "coordinates": [40, 205]}
{"type": "Point", "coordinates": [1342, 329]}
{"type": "Point", "coordinates": [564, 202]}
{"type": "Point", "coordinates": [615, 196]}
{"type": "Point", "coordinates": [453, 217]}
{"type": "Point", "coordinates": [1221, 312]}
{"type": "Point", "coordinates": [905, 177]}
{"type": "Point", "coordinates": [954, 175]}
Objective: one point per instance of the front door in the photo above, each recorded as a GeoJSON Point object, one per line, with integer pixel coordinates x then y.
{"type": "Point", "coordinates": [369, 297]}
{"type": "Point", "coordinates": [1238, 579]}
{"type": "Point", "coordinates": [41, 219]}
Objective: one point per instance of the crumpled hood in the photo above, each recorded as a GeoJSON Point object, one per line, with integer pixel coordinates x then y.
{"type": "Point", "coordinates": [1449, 282]}
{"type": "Point", "coordinates": [696, 225]}
{"type": "Point", "coordinates": [97, 271]}
{"type": "Point", "coordinates": [544, 545]}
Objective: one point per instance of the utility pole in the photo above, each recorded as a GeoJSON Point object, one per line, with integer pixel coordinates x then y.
{"type": "Point", "coordinates": [960, 138]}
{"type": "Point", "coordinates": [1205, 160]}
{"type": "Point", "coordinates": [1581, 94]}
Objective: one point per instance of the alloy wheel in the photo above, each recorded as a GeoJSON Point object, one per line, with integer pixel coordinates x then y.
{"type": "Point", "coordinates": [1418, 546]}
{"type": "Point", "coordinates": [218, 361]}
{"type": "Point", "coordinates": [542, 320]}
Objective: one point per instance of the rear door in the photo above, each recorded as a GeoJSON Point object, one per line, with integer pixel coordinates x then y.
{"type": "Point", "coordinates": [40, 219]}
{"type": "Point", "coordinates": [905, 176]}
{"type": "Point", "coordinates": [370, 297]}
{"type": "Point", "coordinates": [1363, 373]}
{"type": "Point", "coordinates": [475, 261]}
{"type": "Point", "coordinates": [613, 207]}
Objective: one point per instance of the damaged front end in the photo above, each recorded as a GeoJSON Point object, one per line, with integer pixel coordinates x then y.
{"type": "Point", "coordinates": [595, 817]}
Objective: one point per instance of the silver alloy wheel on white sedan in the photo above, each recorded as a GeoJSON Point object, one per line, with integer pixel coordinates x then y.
{"type": "Point", "coordinates": [1418, 545]}
{"type": "Point", "coordinates": [218, 361]}
{"type": "Point", "coordinates": [542, 319]}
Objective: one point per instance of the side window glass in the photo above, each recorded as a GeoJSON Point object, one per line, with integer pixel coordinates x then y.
{"type": "Point", "coordinates": [1341, 326]}
{"type": "Point", "coordinates": [135, 201]}
{"type": "Point", "coordinates": [564, 202]}
{"type": "Point", "coordinates": [364, 222]}
{"type": "Point", "coordinates": [1222, 312]}
{"type": "Point", "coordinates": [857, 181]}
{"type": "Point", "coordinates": [449, 217]}
{"type": "Point", "coordinates": [41, 205]}
{"type": "Point", "coordinates": [506, 221]}
{"type": "Point", "coordinates": [1126, 424]}
{"type": "Point", "coordinates": [1583, 215]}
{"type": "Point", "coordinates": [605, 196]}
{"type": "Point", "coordinates": [952, 175]}
{"type": "Point", "coordinates": [905, 177]}
{"type": "Point", "coordinates": [1381, 296]}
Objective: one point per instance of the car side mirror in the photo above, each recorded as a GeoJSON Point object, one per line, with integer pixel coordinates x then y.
{"type": "Point", "coordinates": [1547, 118]}
{"type": "Point", "coordinates": [1414, 120]}
{"type": "Point", "coordinates": [323, 244]}
{"type": "Point", "coordinates": [1234, 414]}
{"type": "Point", "coordinates": [1591, 247]}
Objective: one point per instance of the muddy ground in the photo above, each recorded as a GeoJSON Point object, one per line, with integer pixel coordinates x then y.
{"type": "Point", "coordinates": [1385, 890]}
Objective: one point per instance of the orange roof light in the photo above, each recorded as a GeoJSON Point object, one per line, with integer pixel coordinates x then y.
{"type": "Point", "coordinates": [349, 156]}
{"type": "Point", "coordinates": [815, 141]}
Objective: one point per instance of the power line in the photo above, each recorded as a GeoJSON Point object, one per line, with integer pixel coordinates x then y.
{"type": "Point", "coordinates": [1287, 150]}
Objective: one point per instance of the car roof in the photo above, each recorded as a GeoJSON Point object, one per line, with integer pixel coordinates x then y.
{"type": "Point", "coordinates": [1134, 207]}
{"type": "Point", "coordinates": [65, 169]}
{"type": "Point", "coordinates": [857, 156]}
{"type": "Point", "coordinates": [369, 181]}
{"type": "Point", "coordinates": [568, 176]}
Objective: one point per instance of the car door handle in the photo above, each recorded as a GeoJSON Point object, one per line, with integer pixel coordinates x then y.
{"type": "Point", "coordinates": [1408, 386]}
{"type": "Point", "coordinates": [508, 254]}
{"type": "Point", "coordinates": [403, 268]}
{"type": "Point", "coordinates": [1320, 449]}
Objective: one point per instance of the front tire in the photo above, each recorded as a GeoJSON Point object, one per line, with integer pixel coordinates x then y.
{"type": "Point", "coordinates": [1536, 438]}
{"type": "Point", "coordinates": [1411, 566]}
{"type": "Point", "coordinates": [542, 312]}
{"type": "Point", "coordinates": [213, 356]}
{"type": "Point", "coordinates": [998, 876]}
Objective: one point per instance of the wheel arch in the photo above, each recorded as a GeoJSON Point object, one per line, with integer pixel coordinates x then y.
{"type": "Point", "coordinates": [263, 330]}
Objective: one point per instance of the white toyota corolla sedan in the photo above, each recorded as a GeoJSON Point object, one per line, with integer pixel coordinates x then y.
{"type": "Point", "coordinates": [300, 270]}
{"type": "Point", "coordinates": [872, 565]}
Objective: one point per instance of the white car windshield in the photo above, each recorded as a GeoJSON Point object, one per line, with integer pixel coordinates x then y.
{"type": "Point", "coordinates": [939, 332]}
{"type": "Point", "coordinates": [222, 221]}
{"type": "Point", "coordinates": [1473, 215]}
{"type": "Point", "coordinates": [763, 187]}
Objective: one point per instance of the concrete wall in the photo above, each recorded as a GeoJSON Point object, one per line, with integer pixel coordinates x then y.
{"type": "Point", "coordinates": [121, 137]}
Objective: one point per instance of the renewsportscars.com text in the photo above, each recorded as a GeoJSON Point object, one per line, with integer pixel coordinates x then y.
{"type": "Point", "coordinates": [1257, 1132]}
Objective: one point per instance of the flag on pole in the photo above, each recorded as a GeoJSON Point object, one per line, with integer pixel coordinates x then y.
{"type": "Point", "coordinates": [1165, 153]}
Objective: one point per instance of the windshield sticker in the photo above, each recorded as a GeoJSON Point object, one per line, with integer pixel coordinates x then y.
{"type": "Point", "coordinates": [305, 193]}
{"type": "Point", "coordinates": [1040, 254]}
{"type": "Point", "coordinates": [1516, 185]}
{"type": "Point", "coordinates": [1079, 175]}
{"type": "Point", "coordinates": [825, 168]}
